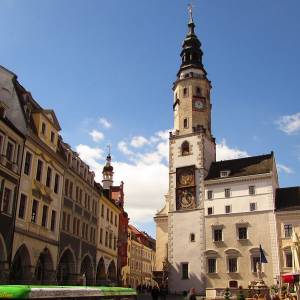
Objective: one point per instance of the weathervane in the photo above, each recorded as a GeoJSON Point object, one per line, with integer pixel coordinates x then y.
{"type": "Point", "coordinates": [190, 9]}
{"type": "Point", "coordinates": [109, 148]}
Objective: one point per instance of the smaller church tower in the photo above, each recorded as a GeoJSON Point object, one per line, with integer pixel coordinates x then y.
{"type": "Point", "coordinates": [107, 173]}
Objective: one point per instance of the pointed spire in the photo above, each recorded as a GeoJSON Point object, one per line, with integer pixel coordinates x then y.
{"type": "Point", "coordinates": [108, 172]}
{"type": "Point", "coordinates": [191, 53]}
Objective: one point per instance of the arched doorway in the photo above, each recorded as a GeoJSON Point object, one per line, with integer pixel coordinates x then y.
{"type": "Point", "coordinates": [66, 268]}
{"type": "Point", "coordinates": [101, 274]}
{"type": "Point", "coordinates": [112, 272]}
{"type": "Point", "coordinates": [20, 271]}
{"type": "Point", "coordinates": [86, 271]}
{"type": "Point", "coordinates": [44, 268]}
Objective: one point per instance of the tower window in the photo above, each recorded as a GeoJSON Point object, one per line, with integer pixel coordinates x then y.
{"type": "Point", "coordinates": [185, 123]}
{"type": "Point", "coordinates": [185, 148]}
{"type": "Point", "coordinates": [192, 237]}
{"type": "Point", "coordinates": [198, 91]}
{"type": "Point", "coordinates": [184, 271]}
{"type": "Point", "coordinates": [185, 92]}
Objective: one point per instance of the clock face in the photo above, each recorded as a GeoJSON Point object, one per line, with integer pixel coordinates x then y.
{"type": "Point", "coordinates": [185, 177]}
{"type": "Point", "coordinates": [186, 198]}
{"type": "Point", "coordinates": [199, 104]}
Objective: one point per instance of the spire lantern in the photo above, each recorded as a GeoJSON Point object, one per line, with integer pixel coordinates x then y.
{"type": "Point", "coordinates": [107, 172]}
{"type": "Point", "coordinates": [191, 53]}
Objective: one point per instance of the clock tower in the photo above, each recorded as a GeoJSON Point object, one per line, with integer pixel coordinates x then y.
{"type": "Point", "coordinates": [192, 150]}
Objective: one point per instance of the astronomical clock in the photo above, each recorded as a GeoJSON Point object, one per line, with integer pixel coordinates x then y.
{"type": "Point", "coordinates": [185, 188]}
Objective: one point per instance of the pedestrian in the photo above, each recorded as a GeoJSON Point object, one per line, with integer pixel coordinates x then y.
{"type": "Point", "coordinates": [155, 292]}
{"type": "Point", "coordinates": [192, 294]}
{"type": "Point", "coordinates": [163, 291]}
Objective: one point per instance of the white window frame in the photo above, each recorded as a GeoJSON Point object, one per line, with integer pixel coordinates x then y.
{"type": "Point", "coordinates": [26, 205]}
{"type": "Point", "coordinates": [210, 195]}
{"type": "Point", "coordinates": [255, 206]}
{"type": "Point", "coordinates": [237, 264]}
{"type": "Point", "coordinates": [212, 210]}
{"type": "Point", "coordinates": [230, 209]}
{"type": "Point", "coordinates": [216, 265]}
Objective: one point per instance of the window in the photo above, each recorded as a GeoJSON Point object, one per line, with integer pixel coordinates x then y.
{"type": "Point", "coordinates": [192, 237]}
{"type": "Point", "coordinates": [44, 216]}
{"type": "Point", "coordinates": [198, 91]}
{"type": "Point", "coordinates": [115, 243]}
{"type": "Point", "coordinates": [242, 233]}
{"type": "Point", "coordinates": [78, 227]}
{"type": "Point", "coordinates": [232, 265]}
{"type": "Point", "coordinates": [64, 221]}
{"type": "Point", "coordinates": [68, 222]}
{"type": "Point", "coordinates": [184, 271]}
{"type": "Point", "coordinates": [34, 211]}
{"type": "Point", "coordinates": [209, 210]}
{"type": "Point", "coordinates": [56, 184]}
{"type": "Point", "coordinates": [185, 92]}
{"type": "Point", "coordinates": [116, 220]}
{"type": "Point", "coordinates": [110, 240]}
{"type": "Point", "coordinates": [49, 177]}
{"type": "Point", "coordinates": [227, 209]}
{"type": "Point", "coordinates": [251, 190]}
{"type": "Point", "coordinates": [1, 143]}
{"type": "Point", "coordinates": [102, 210]}
{"type": "Point", "coordinates": [233, 284]}
{"type": "Point", "coordinates": [255, 261]}
{"type": "Point", "coordinates": [252, 206]}
{"type": "Point", "coordinates": [71, 190]}
{"type": "Point", "coordinates": [185, 148]}
{"type": "Point", "coordinates": [224, 173]}
{"type": "Point", "coordinates": [107, 214]}
{"type": "Point", "coordinates": [22, 206]}
{"type": "Point", "coordinates": [43, 128]}
{"type": "Point", "coordinates": [52, 137]}
{"type": "Point", "coordinates": [9, 151]}
{"type": "Point", "coordinates": [227, 193]}
{"type": "Point", "coordinates": [185, 123]}
{"type": "Point", "coordinates": [106, 238]}
{"type": "Point", "coordinates": [209, 195]}
{"type": "Point", "coordinates": [211, 265]}
{"type": "Point", "coordinates": [288, 228]}
{"type": "Point", "coordinates": [66, 186]}
{"type": "Point", "coordinates": [74, 225]}
{"type": "Point", "coordinates": [6, 205]}
{"type": "Point", "coordinates": [111, 217]}
{"type": "Point", "coordinates": [101, 235]}
{"type": "Point", "coordinates": [39, 170]}
{"type": "Point", "coordinates": [217, 235]}
{"type": "Point", "coordinates": [288, 260]}
{"type": "Point", "coordinates": [27, 164]}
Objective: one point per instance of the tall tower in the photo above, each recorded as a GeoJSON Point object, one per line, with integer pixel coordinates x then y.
{"type": "Point", "coordinates": [107, 173]}
{"type": "Point", "coordinates": [192, 150]}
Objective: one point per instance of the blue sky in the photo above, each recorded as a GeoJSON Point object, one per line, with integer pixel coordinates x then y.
{"type": "Point", "coordinates": [117, 60]}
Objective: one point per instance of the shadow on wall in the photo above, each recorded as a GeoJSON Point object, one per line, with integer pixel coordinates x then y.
{"type": "Point", "coordinates": [180, 286]}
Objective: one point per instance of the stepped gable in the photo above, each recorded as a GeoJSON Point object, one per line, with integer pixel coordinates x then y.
{"type": "Point", "coordinates": [287, 198]}
{"type": "Point", "coordinates": [252, 165]}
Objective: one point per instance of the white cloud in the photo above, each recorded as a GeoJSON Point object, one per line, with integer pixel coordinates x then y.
{"type": "Point", "coordinates": [96, 135]}
{"type": "Point", "coordinates": [285, 169]}
{"type": "Point", "coordinates": [289, 124]}
{"type": "Point", "coordinates": [91, 156]}
{"type": "Point", "coordinates": [122, 146]}
{"type": "Point", "coordinates": [224, 152]}
{"type": "Point", "coordinates": [138, 141]}
{"type": "Point", "coordinates": [105, 123]}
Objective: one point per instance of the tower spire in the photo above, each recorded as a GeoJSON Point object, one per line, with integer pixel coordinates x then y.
{"type": "Point", "coordinates": [191, 53]}
{"type": "Point", "coordinates": [107, 172]}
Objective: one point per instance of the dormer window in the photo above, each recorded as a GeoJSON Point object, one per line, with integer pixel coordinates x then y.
{"type": "Point", "coordinates": [224, 173]}
{"type": "Point", "coordinates": [43, 128]}
{"type": "Point", "coordinates": [52, 137]}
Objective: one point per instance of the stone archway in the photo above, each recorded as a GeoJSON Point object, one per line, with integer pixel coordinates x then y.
{"type": "Point", "coordinates": [112, 272]}
{"type": "Point", "coordinates": [86, 271]}
{"type": "Point", "coordinates": [101, 274]}
{"type": "Point", "coordinates": [3, 259]}
{"type": "Point", "coordinates": [44, 268]}
{"type": "Point", "coordinates": [66, 268]}
{"type": "Point", "coordinates": [20, 271]}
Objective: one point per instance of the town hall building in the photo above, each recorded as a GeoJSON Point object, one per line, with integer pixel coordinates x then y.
{"type": "Point", "coordinates": [216, 213]}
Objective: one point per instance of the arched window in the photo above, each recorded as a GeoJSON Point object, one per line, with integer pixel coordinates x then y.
{"type": "Point", "coordinates": [185, 148]}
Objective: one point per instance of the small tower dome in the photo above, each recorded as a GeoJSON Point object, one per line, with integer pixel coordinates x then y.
{"type": "Point", "coordinates": [107, 173]}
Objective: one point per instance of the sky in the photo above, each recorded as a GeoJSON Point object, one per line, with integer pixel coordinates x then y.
{"type": "Point", "coordinates": [107, 68]}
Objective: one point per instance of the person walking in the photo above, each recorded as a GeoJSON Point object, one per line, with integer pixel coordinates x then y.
{"type": "Point", "coordinates": [155, 292]}
{"type": "Point", "coordinates": [192, 294]}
